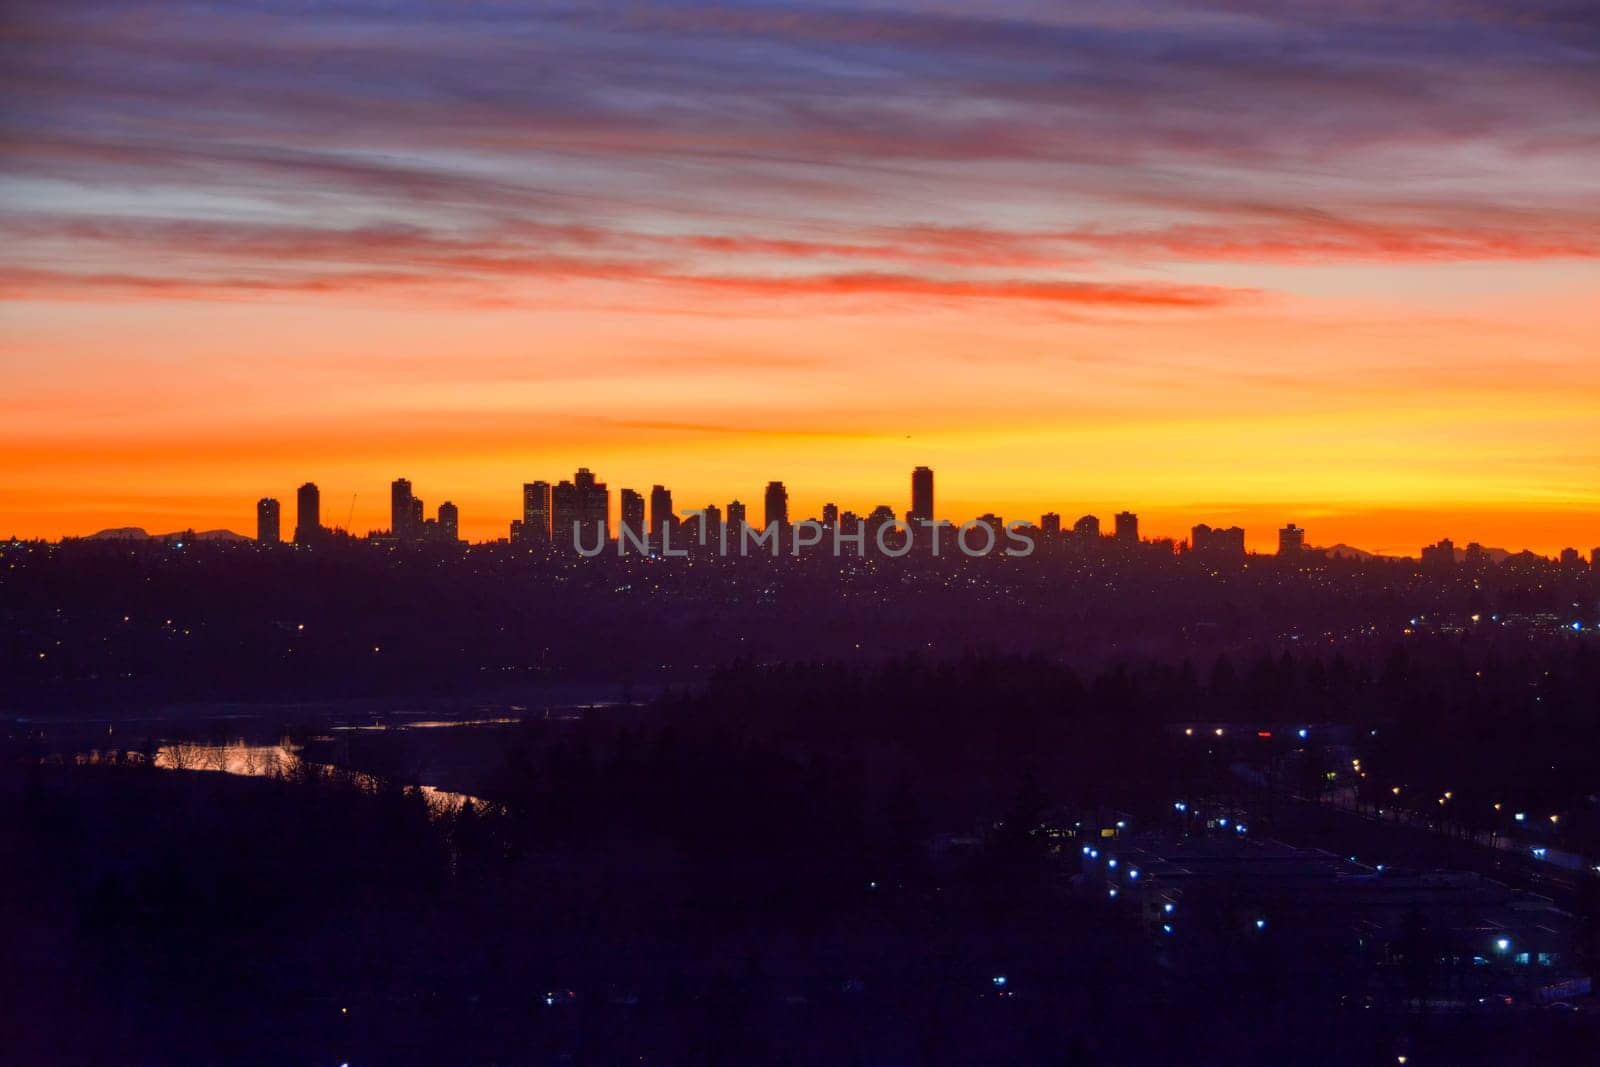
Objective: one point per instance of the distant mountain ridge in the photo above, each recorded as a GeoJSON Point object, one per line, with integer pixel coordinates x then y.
{"type": "Point", "coordinates": [138, 533]}
{"type": "Point", "coordinates": [1496, 555]}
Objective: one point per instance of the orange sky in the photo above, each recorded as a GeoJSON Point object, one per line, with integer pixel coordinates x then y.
{"type": "Point", "coordinates": [1068, 274]}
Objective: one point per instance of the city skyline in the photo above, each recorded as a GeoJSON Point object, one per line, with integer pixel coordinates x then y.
{"type": "Point", "coordinates": [1059, 256]}
{"type": "Point", "coordinates": [548, 506]}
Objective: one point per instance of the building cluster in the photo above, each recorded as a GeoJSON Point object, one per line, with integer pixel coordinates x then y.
{"type": "Point", "coordinates": [579, 511]}
{"type": "Point", "coordinates": [407, 524]}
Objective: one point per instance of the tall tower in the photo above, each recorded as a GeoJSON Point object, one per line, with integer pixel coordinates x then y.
{"type": "Point", "coordinates": [1127, 528]}
{"type": "Point", "coordinates": [536, 511]}
{"type": "Point", "coordinates": [661, 518]}
{"type": "Point", "coordinates": [594, 504]}
{"type": "Point", "coordinates": [563, 512]}
{"type": "Point", "coordinates": [921, 495]}
{"type": "Point", "coordinates": [308, 514]}
{"type": "Point", "coordinates": [633, 514]}
{"type": "Point", "coordinates": [777, 504]}
{"type": "Point", "coordinates": [400, 509]}
{"type": "Point", "coordinates": [449, 523]}
{"type": "Point", "coordinates": [267, 529]}
{"type": "Point", "coordinates": [1291, 540]}
{"type": "Point", "coordinates": [736, 520]}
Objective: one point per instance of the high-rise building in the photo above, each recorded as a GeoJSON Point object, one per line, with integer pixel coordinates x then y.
{"type": "Point", "coordinates": [1050, 524]}
{"type": "Point", "coordinates": [830, 514]}
{"type": "Point", "coordinates": [1440, 555]}
{"type": "Point", "coordinates": [1217, 543]}
{"type": "Point", "coordinates": [563, 512]}
{"type": "Point", "coordinates": [414, 527]}
{"type": "Point", "coordinates": [536, 511]}
{"type": "Point", "coordinates": [633, 515]}
{"type": "Point", "coordinates": [400, 510]}
{"type": "Point", "coordinates": [777, 504]}
{"type": "Point", "coordinates": [1088, 526]}
{"type": "Point", "coordinates": [308, 514]}
{"type": "Point", "coordinates": [594, 506]}
{"type": "Point", "coordinates": [736, 521]}
{"type": "Point", "coordinates": [921, 496]}
{"type": "Point", "coordinates": [663, 523]}
{"type": "Point", "coordinates": [267, 520]}
{"type": "Point", "coordinates": [708, 525]}
{"type": "Point", "coordinates": [1291, 540]}
{"type": "Point", "coordinates": [1594, 560]}
{"type": "Point", "coordinates": [1571, 558]}
{"type": "Point", "coordinates": [449, 523]}
{"type": "Point", "coordinates": [582, 501]}
{"type": "Point", "coordinates": [1127, 528]}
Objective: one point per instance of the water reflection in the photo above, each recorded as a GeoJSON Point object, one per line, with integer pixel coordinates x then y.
{"type": "Point", "coordinates": [250, 760]}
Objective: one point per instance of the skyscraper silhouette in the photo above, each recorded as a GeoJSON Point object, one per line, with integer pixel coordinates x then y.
{"type": "Point", "coordinates": [921, 495]}
{"type": "Point", "coordinates": [267, 520]}
{"type": "Point", "coordinates": [400, 512]}
{"type": "Point", "coordinates": [449, 523]}
{"type": "Point", "coordinates": [662, 521]}
{"type": "Point", "coordinates": [1127, 528]}
{"type": "Point", "coordinates": [563, 512]}
{"type": "Point", "coordinates": [1291, 540]}
{"type": "Point", "coordinates": [633, 515]}
{"type": "Point", "coordinates": [777, 504]}
{"type": "Point", "coordinates": [536, 512]}
{"type": "Point", "coordinates": [736, 521]}
{"type": "Point", "coordinates": [1088, 526]}
{"type": "Point", "coordinates": [308, 514]}
{"type": "Point", "coordinates": [594, 505]}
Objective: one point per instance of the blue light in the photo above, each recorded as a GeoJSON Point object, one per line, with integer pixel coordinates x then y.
{"type": "Point", "coordinates": [1132, 875]}
{"type": "Point", "coordinates": [1112, 862]}
{"type": "Point", "coordinates": [1085, 850]}
{"type": "Point", "coordinates": [1240, 828]}
{"type": "Point", "coordinates": [1575, 626]}
{"type": "Point", "coordinates": [999, 980]}
{"type": "Point", "coordinates": [1261, 924]}
{"type": "Point", "coordinates": [1167, 908]}
{"type": "Point", "coordinates": [1166, 928]}
{"type": "Point", "coordinates": [1180, 806]}
{"type": "Point", "coordinates": [1112, 892]}
{"type": "Point", "coordinates": [1304, 733]}
{"type": "Point", "coordinates": [1503, 944]}
{"type": "Point", "coordinates": [1222, 823]}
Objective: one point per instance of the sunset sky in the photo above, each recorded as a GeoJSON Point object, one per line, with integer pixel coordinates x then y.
{"type": "Point", "coordinates": [1247, 262]}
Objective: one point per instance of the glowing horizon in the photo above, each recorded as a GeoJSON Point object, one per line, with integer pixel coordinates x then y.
{"type": "Point", "coordinates": [1242, 264]}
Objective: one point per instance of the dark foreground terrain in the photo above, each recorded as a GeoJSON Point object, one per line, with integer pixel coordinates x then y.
{"type": "Point", "coordinates": [807, 865]}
